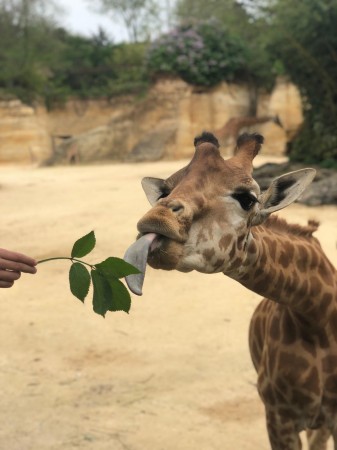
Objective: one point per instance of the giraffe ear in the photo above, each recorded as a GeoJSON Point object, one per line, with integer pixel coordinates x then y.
{"type": "Point", "coordinates": [154, 188]}
{"type": "Point", "coordinates": [283, 191]}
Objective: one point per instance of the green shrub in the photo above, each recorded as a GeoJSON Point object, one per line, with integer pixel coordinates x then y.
{"type": "Point", "coordinates": [316, 143]}
{"type": "Point", "coordinates": [201, 53]}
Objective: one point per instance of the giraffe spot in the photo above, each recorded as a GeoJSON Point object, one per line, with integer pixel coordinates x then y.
{"type": "Point", "coordinates": [312, 382]}
{"type": "Point", "coordinates": [302, 261]}
{"type": "Point", "coordinates": [314, 259]}
{"type": "Point", "coordinates": [260, 286]}
{"type": "Point", "coordinates": [225, 241]}
{"type": "Point", "coordinates": [279, 282]}
{"type": "Point", "coordinates": [240, 242]}
{"type": "Point", "coordinates": [288, 330]}
{"type": "Point", "coordinates": [284, 259]}
{"type": "Point", "coordinates": [326, 274]}
{"type": "Point", "coordinates": [219, 262]}
{"type": "Point", "coordinates": [330, 400]}
{"type": "Point", "coordinates": [272, 244]}
{"type": "Point", "coordinates": [208, 254]}
{"type": "Point", "coordinates": [323, 340]}
{"type": "Point", "coordinates": [290, 284]}
{"type": "Point", "coordinates": [260, 328]}
{"type": "Point", "coordinates": [255, 352]}
{"type": "Point", "coordinates": [281, 386]}
{"type": "Point", "coordinates": [246, 262]}
{"type": "Point", "coordinates": [265, 304]}
{"type": "Point", "coordinates": [329, 363]}
{"type": "Point", "coordinates": [287, 414]}
{"type": "Point", "coordinates": [309, 347]}
{"type": "Point", "coordinates": [275, 329]}
{"type": "Point", "coordinates": [324, 304]}
{"type": "Point", "coordinates": [232, 252]}
{"type": "Point", "coordinates": [315, 286]}
{"type": "Point", "coordinates": [293, 362]}
{"type": "Point", "coordinates": [258, 272]}
{"type": "Point", "coordinates": [331, 383]}
{"type": "Point", "coordinates": [263, 257]}
{"type": "Point", "coordinates": [268, 395]}
{"type": "Point", "coordinates": [287, 255]}
{"type": "Point", "coordinates": [236, 263]}
{"type": "Point", "coordinates": [332, 318]}
{"type": "Point", "coordinates": [201, 237]}
{"type": "Point", "coordinates": [301, 399]}
{"type": "Point", "coordinates": [245, 277]}
{"type": "Point", "coordinates": [272, 273]}
{"type": "Point", "coordinates": [252, 248]}
{"type": "Point", "coordinates": [272, 360]}
{"type": "Point", "coordinates": [303, 288]}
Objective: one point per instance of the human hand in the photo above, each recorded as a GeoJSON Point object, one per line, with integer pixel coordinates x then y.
{"type": "Point", "coordinates": [11, 266]}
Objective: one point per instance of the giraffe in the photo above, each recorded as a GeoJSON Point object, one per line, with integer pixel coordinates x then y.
{"type": "Point", "coordinates": [230, 131]}
{"type": "Point", "coordinates": [210, 216]}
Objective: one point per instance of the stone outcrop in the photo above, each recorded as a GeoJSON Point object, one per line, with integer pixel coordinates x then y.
{"type": "Point", "coordinates": [161, 125]}
{"type": "Point", "coordinates": [23, 136]}
{"type": "Point", "coordinates": [322, 191]}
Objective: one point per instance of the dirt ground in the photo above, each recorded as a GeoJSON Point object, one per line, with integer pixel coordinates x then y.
{"type": "Point", "coordinates": [174, 374]}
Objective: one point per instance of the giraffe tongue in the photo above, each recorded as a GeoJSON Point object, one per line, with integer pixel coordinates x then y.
{"type": "Point", "coordinates": [136, 255]}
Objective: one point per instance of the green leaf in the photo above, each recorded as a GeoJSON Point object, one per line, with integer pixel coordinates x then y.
{"type": "Point", "coordinates": [79, 280]}
{"type": "Point", "coordinates": [84, 245]}
{"type": "Point", "coordinates": [116, 267]}
{"type": "Point", "coordinates": [102, 298]}
{"type": "Point", "coordinates": [121, 300]}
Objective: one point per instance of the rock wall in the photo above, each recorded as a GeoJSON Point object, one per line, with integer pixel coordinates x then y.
{"type": "Point", "coordinates": [160, 125]}
{"type": "Point", "coordinates": [23, 137]}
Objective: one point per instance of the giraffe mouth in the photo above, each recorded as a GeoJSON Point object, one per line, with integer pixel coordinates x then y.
{"type": "Point", "coordinates": [137, 255]}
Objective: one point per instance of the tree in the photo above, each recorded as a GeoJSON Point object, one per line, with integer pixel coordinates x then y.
{"type": "Point", "coordinates": [138, 16]}
{"type": "Point", "coordinates": [237, 20]}
{"type": "Point", "coordinates": [27, 48]}
{"type": "Point", "coordinates": [201, 53]}
{"type": "Point", "coordinates": [296, 39]}
{"type": "Point", "coordinates": [229, 12]}
{"type": "Point", "coordinates": [303, 37]}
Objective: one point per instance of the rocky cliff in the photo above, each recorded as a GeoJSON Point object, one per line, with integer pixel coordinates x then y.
{"type": "Point", "coordinates": [162, 124]}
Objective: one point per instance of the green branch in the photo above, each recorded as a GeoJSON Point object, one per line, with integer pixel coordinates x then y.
{"type": "Point", "coordinates": [109, 293]}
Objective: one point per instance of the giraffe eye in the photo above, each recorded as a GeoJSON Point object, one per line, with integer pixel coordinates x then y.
{"type": "Point", "coordinates": [246, 200]}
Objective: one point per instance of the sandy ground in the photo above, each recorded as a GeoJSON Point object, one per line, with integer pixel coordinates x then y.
{"type": "Point", "coordinates": [174, 374]}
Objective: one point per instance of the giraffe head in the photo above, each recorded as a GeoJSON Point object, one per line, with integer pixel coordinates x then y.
{"type": "Point", "coordinates": [201, 215]}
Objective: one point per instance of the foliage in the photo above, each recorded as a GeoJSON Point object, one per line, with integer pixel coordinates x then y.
{"type": "Point", "coordinates": [259, 67]}
{"type": "Point", "coordinates": [138, 16]}
{"type": "Point", "coordinates": [303, 36]}
{"type": "Point", "coordinates": [201, 53]}
{"type": "Point", "coordinates": [42, 61]}
{"type": "Point", "coordinates": [109, 293]}
{"type": "Point", "coordinates": [295, 39]}
{"type": "Point", "coordinates": [27, 49]}
{"type": "Point", "coordinates": [95, 67]}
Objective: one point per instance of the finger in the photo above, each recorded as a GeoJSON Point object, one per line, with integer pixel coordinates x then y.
{"type": "Point", "coordinates": [17, 257]}
{"type": "Point", "coordinates": [8, 275]}
{"type": "Point", "coordinates": [16, 266]}
{"type": "Point", "coordinates": [6, 284]}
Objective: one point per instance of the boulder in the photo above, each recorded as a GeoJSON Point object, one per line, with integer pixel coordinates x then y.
{"type": "Point", "coordinates": [322, 191]}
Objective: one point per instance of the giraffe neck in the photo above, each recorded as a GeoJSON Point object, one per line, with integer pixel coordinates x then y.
{"type": "Point", "coordinates": [290, 269]}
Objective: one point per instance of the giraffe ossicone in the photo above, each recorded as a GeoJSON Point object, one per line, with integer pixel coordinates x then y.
{"type": "Point", "coordinates": [211, 216]}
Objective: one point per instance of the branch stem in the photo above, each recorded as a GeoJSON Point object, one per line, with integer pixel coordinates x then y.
{"type": "Point", "coordinates": [65, 257]}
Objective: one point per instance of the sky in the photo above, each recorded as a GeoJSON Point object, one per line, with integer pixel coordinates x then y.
{"type": "Point", "coordinates": [78, 17]}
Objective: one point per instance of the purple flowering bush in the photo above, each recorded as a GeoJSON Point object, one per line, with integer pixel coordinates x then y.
{"type": "Point", "coordinates": [202, 53]}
